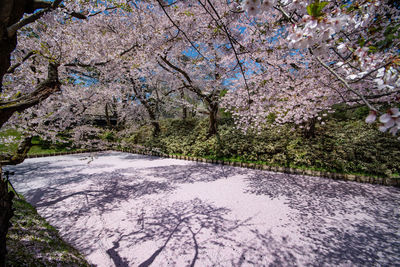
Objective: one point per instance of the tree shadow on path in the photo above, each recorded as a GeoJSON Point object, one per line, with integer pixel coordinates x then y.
{"type": "Point", "coordinates": [347, 223]}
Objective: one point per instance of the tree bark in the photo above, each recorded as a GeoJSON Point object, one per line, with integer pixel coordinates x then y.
{"type": "Point", "coordinates": [6, 210]}
{"type": "Point", "coordinates": [213, 119]}
{"type": "Point", "coordinates": [6, 213]}
{"type": "Point", "coordinates": [108, 120]}
{"type": "Point", "coordinates": [11, 20]}
{"type": "Point", "coordinates": [184, 108]}
{"type": "Point", "coordinates": [309, 130]}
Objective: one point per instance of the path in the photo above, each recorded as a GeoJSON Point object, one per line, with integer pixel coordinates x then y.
{"type": "Point", "coordinates": [124, 209]}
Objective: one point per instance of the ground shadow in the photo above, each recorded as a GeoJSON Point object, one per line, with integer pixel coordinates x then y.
{"type": "Point", "coordinates": [338, 222]}
{"type": "Point", "coordinates": [348, 223]}
{"type": "Point", "coordinates": [190, 232]}
{"type": "Point", "coordinates": [195, 172]}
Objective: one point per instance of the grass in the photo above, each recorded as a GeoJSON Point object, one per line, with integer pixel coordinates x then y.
{"type": "Point", "coordinates": [7, 134]}
{"type": "Point", "coordinates": [38, 147]}
{"type": "Point", "coordinates": [31, 241]}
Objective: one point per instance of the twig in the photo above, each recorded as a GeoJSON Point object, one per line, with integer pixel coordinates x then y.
{"type": "Point", "coordinates": [344, 82]}
{"type": "Point", "coordinates": [179, 29]}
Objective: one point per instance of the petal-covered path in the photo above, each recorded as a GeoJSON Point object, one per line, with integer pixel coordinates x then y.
{"type": "Point", "coordinates": [124, 209]}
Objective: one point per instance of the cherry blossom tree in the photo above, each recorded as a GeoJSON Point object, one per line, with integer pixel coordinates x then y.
{"type": "Point", "coordinates": [32, 68]}
{"type": "Point", "coordinates": [351, 54]}
{"type": "Point", "coordinates": [278, 60]}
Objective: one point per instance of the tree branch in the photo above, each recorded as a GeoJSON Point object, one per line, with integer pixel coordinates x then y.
{"type": "Point", "coordinates": [26, 57]}
{"type": "Point", "coordinates": [179, 29]}
{"type": "Point", "coordinates": [43, 91]}
{"type": "Point", "coordinates": [176, 68]}
{"type": "Point", "coordinates": [11, 31]}
{"type": "Point", "coordinates": [38, 4]}
{"type": "Point", "coordinates": [344, 82]}
{"type": "Point", "coordinates": [20, 155]}
{"type": "Point", "coordinates": [233, 47]}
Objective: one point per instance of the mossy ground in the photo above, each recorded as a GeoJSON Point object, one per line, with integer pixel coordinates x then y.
{"type": "Point", "coordinates": [31, 241]}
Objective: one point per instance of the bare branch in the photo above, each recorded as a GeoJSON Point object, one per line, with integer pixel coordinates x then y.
{"type": "Point", "coordinates": [179, 29]}
{"type": "Point", "coordinates": [26, 57]}
{"type": "Point", "coordinates": [37, 4]}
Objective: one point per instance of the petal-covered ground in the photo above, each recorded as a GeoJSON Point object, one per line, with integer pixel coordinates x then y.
{"type": "Point", "coordinates": [124, 209]}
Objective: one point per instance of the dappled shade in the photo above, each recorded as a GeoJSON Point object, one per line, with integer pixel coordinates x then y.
{"type": "Point", "coordinates": [125, 209]}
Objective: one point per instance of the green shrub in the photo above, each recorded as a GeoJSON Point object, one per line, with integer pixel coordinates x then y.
{"type": "Point", "coordinates": [348, 146]}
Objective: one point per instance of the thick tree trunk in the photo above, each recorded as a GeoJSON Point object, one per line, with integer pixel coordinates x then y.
{"type": "Point", "coordinates": [213, 120]}
{"type": "Point", "coordinates": [152, 116]}
{"type": "Point", "coordinates": [6, 212]}
{"type": "Point", "coordinates": [7, 45]}
{"type": "Point", "coordinates": [108, 120]}
{"type": "Point", "coordinates": [11, 14]}
{"type": "Point", "coordinates": [157, 128]}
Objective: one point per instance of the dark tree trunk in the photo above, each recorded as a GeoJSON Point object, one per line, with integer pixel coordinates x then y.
{"type": "Point", "coordinates": [153, 118]}
{"type": "Point", "coordinates": [213, 119]}
{"type": "Point", "coordinates": [309, 130]}
{"type": "Point", "coordinates": [11, 13]}
{"type": "Point", "coordinates": [6, 212]}
{"type": "Point", "coordinates": [184, 113]}
{"type": "Point", "coordinates": [184, 108]}
{"type": "Point", "coordinates": [157, 128]}
{"type": "Point", "coordinates": [108, 116]}
{"type": "Point", "coordinates": [7, 45]}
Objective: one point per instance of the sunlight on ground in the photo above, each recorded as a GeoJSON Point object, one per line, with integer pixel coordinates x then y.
{"type": "Point", "coordinates": [124, 209]}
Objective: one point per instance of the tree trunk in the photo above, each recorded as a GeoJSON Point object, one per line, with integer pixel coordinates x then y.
{"type": "Point", "coordinates": [184, 108]}
{"type": "Point", "coordinates": [309, 130]}
{"type": "Point", "coordinates": [7, 45]}
{"type": "Point", "coordinates": [213, 117]}
{"type": "Point", "coordinates": [152, 116]}
{"type": "Point", "coordinates": [157, 128]}
{"type": "Point", "coordinates": [107, 117]}
{"type": "Point", "coordinates": [6, 212]}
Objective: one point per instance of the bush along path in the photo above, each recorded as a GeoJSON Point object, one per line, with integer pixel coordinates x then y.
{"type": "Point", "coordinates": [339, 149]}
{"type": "Point", "coordinates": [253, 165]}
{"type": "Point", "coordinates": [390, 181]}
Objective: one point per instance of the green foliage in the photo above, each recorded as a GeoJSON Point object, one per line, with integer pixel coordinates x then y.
{"type": "Point", "coordinates": [315, 9]}
{"type": "Point", "coordinates": [347, 146]}
{"type": "Point", "coordinates": [108, 135]}
{"type": "Point", "coordinates": [140, 136]}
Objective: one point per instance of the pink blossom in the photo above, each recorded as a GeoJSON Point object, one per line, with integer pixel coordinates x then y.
{"type": "Point", "coordinates": [371, 117]}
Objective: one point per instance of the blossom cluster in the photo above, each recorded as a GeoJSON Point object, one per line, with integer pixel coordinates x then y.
{"type": "Point", "coordinates": [253, 7]}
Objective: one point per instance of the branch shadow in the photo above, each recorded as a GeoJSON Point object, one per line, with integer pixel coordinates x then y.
{"type": "Point", "coordinates": [186, 233]}
{"type": "Point", "coordinates": [340, 223]}
{"type": "Point", "coordinates": [346, 223]}
{"type": "Point", "coordinates": [194, 172]}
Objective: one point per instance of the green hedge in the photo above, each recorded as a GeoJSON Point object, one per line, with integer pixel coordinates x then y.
{"type": "Point", "coordinates": [349, 146]}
